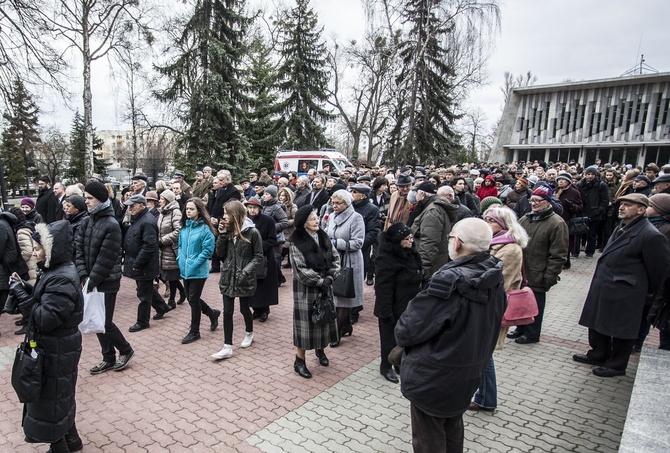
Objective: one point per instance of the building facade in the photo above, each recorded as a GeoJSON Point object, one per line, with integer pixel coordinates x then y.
{"type": "Point", "coordinates": [622, 120]}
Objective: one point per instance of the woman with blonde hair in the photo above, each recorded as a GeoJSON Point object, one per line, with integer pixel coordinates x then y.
{"type": "Point", "coordinates": [509, 239]}
{"type": "Point", "coordinates": [240, 246]}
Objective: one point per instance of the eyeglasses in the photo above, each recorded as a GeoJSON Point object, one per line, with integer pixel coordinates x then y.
{"type": "Point", "coordinates": [451, 236]}
{"type": "Point", "coordinates": [532, 201]}
{"type": "Point", "coordinates": [337, 203]}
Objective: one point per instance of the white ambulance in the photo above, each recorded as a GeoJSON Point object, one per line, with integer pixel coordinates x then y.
{"type": "Point", "coordinates": [301, 161]}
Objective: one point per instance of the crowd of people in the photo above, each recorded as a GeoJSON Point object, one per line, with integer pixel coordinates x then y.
{"type": "Point", "coordinates": [420, 235]}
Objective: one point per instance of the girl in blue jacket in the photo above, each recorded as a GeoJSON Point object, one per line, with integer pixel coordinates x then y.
{"type": "Point", "coordinates": [196, 245]}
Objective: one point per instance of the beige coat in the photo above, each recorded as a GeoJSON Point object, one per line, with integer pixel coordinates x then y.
{"type": "Point", "coordinates": [25, 239]}
{"type": "Point", "coordinates": [512, 257]}
{"type": "Point", "coordinates": [169, 224]}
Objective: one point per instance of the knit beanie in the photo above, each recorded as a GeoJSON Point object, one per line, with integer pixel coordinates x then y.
{"type": "Point", "coordinates": [168, 195]}
{"type": "Point", "coordinates": [523, 182]}
{"type": "Point", "coordinates": [661, 203]}
{"type": "Point", "coordinates": [272, 190]}
{"type": "Point", "coordinates": [565, 176]}
{"type": "Point", "coordinates": [591, 169]}
{"type": "Point", "coordinates": [28, 202]}
{"type": "Point", "coordinates": [543, 191]}
{"type": "Point", "coordinates": [301, 216]}
{"type": "Point", "coordinates": [397, 232]}
{"type": "Point", "coordinates": [487, 202]}
{"type": "Point", "coordinates": [97, 190]}
{"type": "Point", "coordinates": [78, 202]}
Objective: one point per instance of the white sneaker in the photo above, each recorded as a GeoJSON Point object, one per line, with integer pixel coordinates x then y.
{"type": "Point", "coordinates": [248, 339]}
{"type": "Point", "coordinates": [226, 352]}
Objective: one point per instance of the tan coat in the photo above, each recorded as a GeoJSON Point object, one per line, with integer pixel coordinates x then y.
{"type": "Point", "coordinates": [25, 239]}
{"type": "Point", "coordinates": [512, 257]}
{"type": "Point", "coordinates": [169, 224]}
{"type": "Point", "coordinates": [394, 206]}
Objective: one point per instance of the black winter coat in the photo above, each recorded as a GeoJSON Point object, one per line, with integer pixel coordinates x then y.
{"type": "Point", "coordinates": [398, 279]}
{"type": "Point", "coordinates": [267, 290]}
{"type": "Point", "coordinates": [98, 245]}
{"type": "Point", "coordinates": [449, 331]}
{"type": "Point", "coordinates": [75, 223]}
{"type": "Point", "coordinates": [216, 200]}
{"type": "Point", "coordinates": [370, 214]}
{"type": "Point", "coordinates": [10, 254]}
{"type": "Point", "coordinates": [47, 206]}
{"type": "Point", "coordinates": [595, 198]}
{"type": "Point", "coordinates": [141, 247]}
{"type": "Point", "coordinates": [56, 306]}
{"type": "Point", "coordinates": [240, 260]}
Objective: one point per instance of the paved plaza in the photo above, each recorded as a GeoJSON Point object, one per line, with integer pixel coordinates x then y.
{"type": "Point", "coordinates": [175, 398]}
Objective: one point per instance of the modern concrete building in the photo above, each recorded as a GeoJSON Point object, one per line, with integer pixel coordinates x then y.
{"type": "Point", "coordinates": [622, 119]}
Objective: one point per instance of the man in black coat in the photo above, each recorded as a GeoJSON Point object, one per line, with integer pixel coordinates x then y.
{"type": "Point", "coordinates": [223, 190]}
{"type": "Point", "coordinates": [98, 259]}
{"type": "Point", "coordinates": [595, 200]}
{"type": "Point", "coordinates": [319, 195]}
{"type": "Point", "coordinates": [370, 214]}
{"type": "Point", "coordinates": [449, 331]}
{"type": "Point", "coordinates": [141, 261]}
{"type": "Point", "coordinates": [628, 272]}
{"type": "Point", "coordinates": [47, 203]}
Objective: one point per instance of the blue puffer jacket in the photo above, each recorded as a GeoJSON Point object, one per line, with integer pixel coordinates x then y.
{"type": "Point", "coordinates": [196, 245]}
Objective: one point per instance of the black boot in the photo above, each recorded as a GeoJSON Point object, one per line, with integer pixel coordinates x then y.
{"type": "Point", "coordinates": [323, 360]}
{"type": "Point", "coordinates": [172, 304]}
{"type": "Point", "coordinates": [300, 368]}
{"type": "Point", "coordinates": [191, 337]}
{"type": "Point", "coordinates": [59, 447]}
{"type": "Point", "coordinates": [214, 319]}
{"type": "Point", "coordinates": [73, 440]}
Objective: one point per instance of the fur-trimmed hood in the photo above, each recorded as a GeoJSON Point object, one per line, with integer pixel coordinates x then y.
{"type": "Point", "coordinates": [56, 239]}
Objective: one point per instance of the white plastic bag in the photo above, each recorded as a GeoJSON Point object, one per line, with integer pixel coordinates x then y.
{"type": "Point", "coordinates": [94, 311]}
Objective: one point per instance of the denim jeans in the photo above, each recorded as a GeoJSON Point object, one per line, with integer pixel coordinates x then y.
{"type": "Point", "coordinates": [487, 395]}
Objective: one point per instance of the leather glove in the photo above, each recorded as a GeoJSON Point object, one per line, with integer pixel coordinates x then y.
{"type": "Point", "coordinates": [327, 283]}
{"type": "Point", "coordinates": [549, 282]}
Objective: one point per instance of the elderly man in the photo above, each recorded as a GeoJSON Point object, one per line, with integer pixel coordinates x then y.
{"type": "Point", "coordinates": [661, 184]}
{"type": "Point", "coordinates": [303, 192]}
{"type": "Point", "coordinates": [141, 261]}
{"type": "Point", "coordinates": [431, 229]}
{"type": "Point", "coordinates": [449, 331]}
{"type": "Point", "coordinates": [370, 214]}
{"type": "Point", "coordinates": [628, 272]}
{"type": "Point", "coordinates": [543, 257]}
{"type": "Point", "coordinates": [179, 177]}
{"type": "Point", "coordinates": [201, 186]}
{"type": "Point", "coordinates": [139, 183]}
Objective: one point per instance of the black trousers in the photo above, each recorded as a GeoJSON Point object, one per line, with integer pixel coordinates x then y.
{"type": "Point", "coordinates": [386, 343]}
{"type": "Point", "coordinates": [533, 330]}
{"type": "Point", "coordinates": [112, 339]}
{"type": "Point", "coordinates": [193, 290]}
{"type": "Point", "coordinates": [228, 309]}
{"type": "Point", "coordinates": [149, 297]}
{"type": "Point", "coordinates": [614, 352]}
{"type": "Point", "coordinates": [433, 435]}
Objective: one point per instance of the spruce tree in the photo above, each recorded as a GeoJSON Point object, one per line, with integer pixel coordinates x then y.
{"type": "Point", "coordinates": [19, 137]}
{"type": "Point", "coordinates": [205, 85]}
{"type": "Point", "coordinates": [262, 129]}
{"type": "Point", "coordinates": [424, 130]}
{"type": "Point", "coordinates": [77, 169]}
{"type": "Point", "coordinates": [303, 80]}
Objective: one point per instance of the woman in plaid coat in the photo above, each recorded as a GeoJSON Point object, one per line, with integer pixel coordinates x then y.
{"type": "Point", "coordinates": [315, 264]}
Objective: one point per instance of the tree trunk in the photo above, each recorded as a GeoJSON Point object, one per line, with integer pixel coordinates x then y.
{"type": "Point", "coordinates": [88, 97]}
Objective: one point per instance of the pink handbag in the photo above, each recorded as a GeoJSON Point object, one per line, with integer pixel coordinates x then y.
{"type": "Point", "coordinates": [521, 307]}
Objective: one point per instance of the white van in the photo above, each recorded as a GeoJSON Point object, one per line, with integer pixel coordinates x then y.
{"type": "Point", "coordinates": [301, 161]}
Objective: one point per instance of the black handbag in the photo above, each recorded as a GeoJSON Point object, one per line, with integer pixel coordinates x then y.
{"type": "Point", "coordinates": [578, 226]}
{"type": "Point", "coordinates": [262, 269]}
{"type": "Point", "coordinates": [343, 286]}
{"type": "Point", "coordinates": [27, 371]}
{"type": "Point", "coordinates": [323, 309]}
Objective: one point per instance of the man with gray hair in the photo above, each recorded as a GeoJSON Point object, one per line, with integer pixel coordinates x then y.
{"type": "Point", "coordinates": [303, 192]}
{"type": "Point", "coordinates": [449, 331]}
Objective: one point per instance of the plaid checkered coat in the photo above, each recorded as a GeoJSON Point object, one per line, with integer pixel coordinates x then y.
{"type": "Point", "coordinates": [307, 278]}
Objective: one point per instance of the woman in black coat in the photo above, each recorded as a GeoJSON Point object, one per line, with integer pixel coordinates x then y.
{"type": "Point", "coordinates": [55, 305]}
{"type": "Point", "coordinates": [399, 279]}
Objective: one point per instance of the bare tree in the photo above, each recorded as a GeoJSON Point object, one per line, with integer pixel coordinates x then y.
{"type": "Point", "coordinates": [94, 28]}
{"type": "Point", "coordinates": [53, 154]}
{"type": "Point", "coordinates": [512, 81]}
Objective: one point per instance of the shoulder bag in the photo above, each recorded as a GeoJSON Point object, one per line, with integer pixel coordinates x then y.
{"type": "Point", "coordinates": [521, 305]}
{"type": "Point", "coordinates": [578, 226]}
{"type": "Point", "coordinates": [343, 286]}
{"type": "Point", "coordinates": [27, 371]}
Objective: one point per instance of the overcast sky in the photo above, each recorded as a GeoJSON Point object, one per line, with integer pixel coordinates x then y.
{"type": "Point", "coordinates": [555, 39]}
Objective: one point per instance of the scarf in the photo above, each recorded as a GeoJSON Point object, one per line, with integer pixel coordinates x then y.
{"type": "Point", "coordinates": [503, 237]}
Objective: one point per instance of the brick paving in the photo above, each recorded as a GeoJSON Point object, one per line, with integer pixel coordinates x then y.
{"type": "Point", "coordinates": [174, 397]}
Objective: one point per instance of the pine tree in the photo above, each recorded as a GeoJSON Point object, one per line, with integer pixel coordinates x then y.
{"type": "Point", "coordinates": [19, 137]}
{"type": "Point", "coordinates": [303, 80]}
{"type": "Point", "coordinates": [424, 132]}
{"type": "Point", "coordinates": [262, 129]}
{"type": "Point", "coordinates": [205, 85]}
{"type": "Point", "coordinates": [77, 169]}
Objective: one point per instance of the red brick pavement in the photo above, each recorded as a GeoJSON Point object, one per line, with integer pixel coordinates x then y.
{"type": "Point", "coordinates": [174, 397]}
